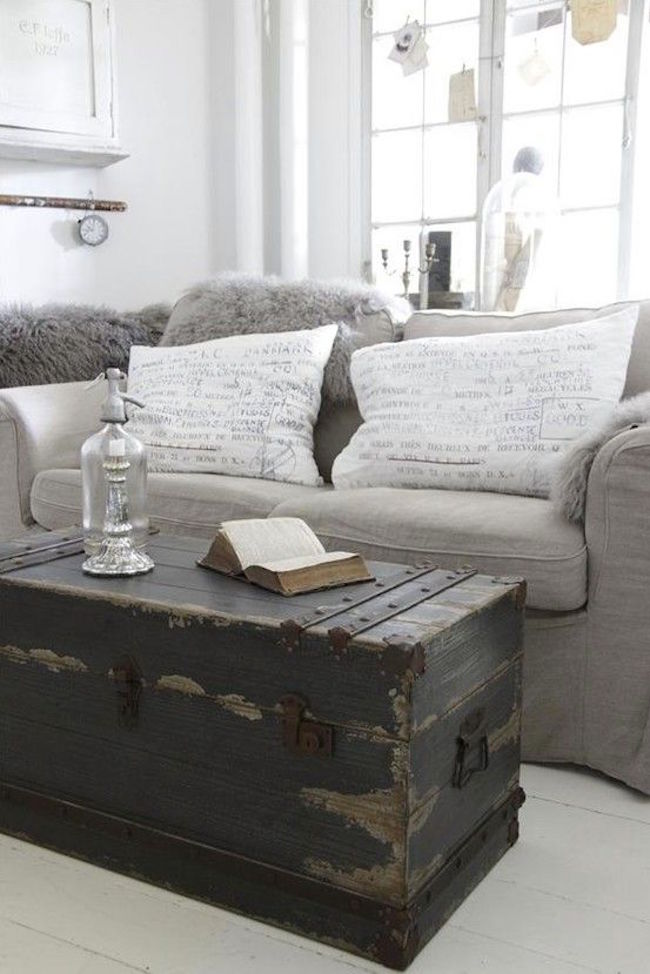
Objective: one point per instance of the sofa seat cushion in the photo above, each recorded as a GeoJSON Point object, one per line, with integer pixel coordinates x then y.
{"type": "Point", "coordinates": [179, 503]}
{"type": "Point", "coordinates": [499, 534]}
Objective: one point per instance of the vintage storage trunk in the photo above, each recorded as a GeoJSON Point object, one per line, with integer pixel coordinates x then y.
{"type": "Point", "coordinates": [344, 764]}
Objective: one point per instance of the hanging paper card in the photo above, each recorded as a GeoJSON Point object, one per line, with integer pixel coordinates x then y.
{"type": "Point", "coordinates": [417, 59]}
{"type": "Point", "coordinates": [534, 69]}
{"type": "Point", "coordinates": [593, 20]}
{"type": "Point", "coordinates": [405, 40]}
{"type": "Point", "coordinates": [462, 97]}
{"type": "Point", "coordinates": [410, 48]}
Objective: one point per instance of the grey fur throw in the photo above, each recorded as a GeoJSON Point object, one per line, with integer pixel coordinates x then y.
{"type": "Point", "coordinates": [569, 491]}
{"type": "Point", "coordinates": [241, 304]}
{"type": "Point", "coordinates": [71, 342]}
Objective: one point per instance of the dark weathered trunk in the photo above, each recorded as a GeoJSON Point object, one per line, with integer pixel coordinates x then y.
{"type": "Point", "coordinates": [347, 770]}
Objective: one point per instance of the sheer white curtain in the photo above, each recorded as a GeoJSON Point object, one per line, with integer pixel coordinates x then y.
{"type": "Point", "coordinates": [249, 148]}
{"type": "Point", "coordinates": [271, 87]}
{"type": "Point", "coordinates": [297, 167]}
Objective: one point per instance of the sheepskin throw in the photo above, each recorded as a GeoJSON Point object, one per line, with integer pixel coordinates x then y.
{"type": "Point", "coordinates": [71, 342]}
{"type": "Point", "coordinates": [570, 488]}
{"type": "Point", "coordinates": [241, 304]}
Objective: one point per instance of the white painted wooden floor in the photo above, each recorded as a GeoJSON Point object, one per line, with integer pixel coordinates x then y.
{"type": "Point", "coordinates": [573, 895]}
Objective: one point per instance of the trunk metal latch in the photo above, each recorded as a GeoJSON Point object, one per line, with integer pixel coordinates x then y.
{"type": "Point", "coordinates": [472, 745]}
{"type": "Point", "coordinates": [303, 736]}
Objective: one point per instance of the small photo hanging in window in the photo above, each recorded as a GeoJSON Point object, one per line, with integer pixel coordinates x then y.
{"type": "Point", "coordinates": [410, 48]}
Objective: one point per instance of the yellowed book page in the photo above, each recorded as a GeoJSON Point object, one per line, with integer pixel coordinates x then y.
{"type": "Point", "coordinates": [304, 561]}
{"type": "Point", "coordinates": [261, 540]}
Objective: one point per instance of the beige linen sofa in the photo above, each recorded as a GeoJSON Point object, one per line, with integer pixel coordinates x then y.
{"type": "Point", "coordinates": [587, 650]}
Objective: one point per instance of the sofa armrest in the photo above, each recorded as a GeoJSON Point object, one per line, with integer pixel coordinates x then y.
{"type": "Point", "coordinates": [617, 520]}
{"type": "Point", "coordinates": [40, 427]}
{"type": "Point", "coordinates": [617, 667]}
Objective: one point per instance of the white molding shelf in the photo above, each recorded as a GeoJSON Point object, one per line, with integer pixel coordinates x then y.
{"type": "Point", "coordinates": [60, 148]}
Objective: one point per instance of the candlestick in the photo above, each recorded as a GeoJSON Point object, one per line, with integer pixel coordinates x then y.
{"type": "Point", "coordinates": [429, 259]}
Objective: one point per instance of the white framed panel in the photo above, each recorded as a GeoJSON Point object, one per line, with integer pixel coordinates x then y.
{"type": "Point", "coordinates": [57, 84]}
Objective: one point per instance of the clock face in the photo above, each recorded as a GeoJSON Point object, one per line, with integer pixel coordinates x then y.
{"type": "Point", "coordinates": [93, 229]}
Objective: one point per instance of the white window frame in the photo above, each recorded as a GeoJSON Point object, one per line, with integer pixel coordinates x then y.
{"type": "Point", "coordinates": [490, 82]}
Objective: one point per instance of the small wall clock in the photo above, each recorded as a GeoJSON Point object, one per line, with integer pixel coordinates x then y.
{"type": "Point", "coordinates": [93, 229]}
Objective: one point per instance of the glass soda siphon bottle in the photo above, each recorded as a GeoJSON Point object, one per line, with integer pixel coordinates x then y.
{"type": "Point", "coordinates": [113, 441]}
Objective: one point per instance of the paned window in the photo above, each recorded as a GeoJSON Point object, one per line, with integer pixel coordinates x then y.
{"type": "Point", "coordinates": [535, 85]}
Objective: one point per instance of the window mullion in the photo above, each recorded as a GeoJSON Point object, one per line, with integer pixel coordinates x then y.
{"type": "Point", "coordinates": [496, 88]}
{"type": "Point", "coordinates": [366, 144]}
{"type": "Point", "coordinates": [628, 148]}
{"type": "Point", "coordinates": [422, 279]}
{"type": "Point", "coordinates": [490, 111]}
{"type": "Point", "coordinates": [485, 67]}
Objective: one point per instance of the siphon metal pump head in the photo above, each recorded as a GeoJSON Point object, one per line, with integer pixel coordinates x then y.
{"type": "Point", "coordinates": [113, 407]}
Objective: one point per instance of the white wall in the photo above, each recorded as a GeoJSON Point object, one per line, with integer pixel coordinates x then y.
{"type": "Point", "coordinates": [185, 181]}
{"type": "Point", "coordinates": [40, 258]}
{"type": "Point", "coordinates": [171, 106]}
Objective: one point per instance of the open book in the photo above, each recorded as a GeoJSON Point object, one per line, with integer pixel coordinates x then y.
{"type": "Point", "coordinates": [282, 554]}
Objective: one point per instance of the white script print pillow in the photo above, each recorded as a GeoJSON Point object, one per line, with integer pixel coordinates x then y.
{"type": "Point", "coordinates": [244, 405]}
{"type": "Point", "coordinates": [482, 412]}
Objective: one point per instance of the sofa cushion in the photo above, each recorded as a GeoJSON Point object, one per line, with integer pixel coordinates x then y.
{"type": "Point", "coordinates": [497, 533]}
{"type": "Point", "coordinates": [190, 504]}
{"type": "Point", "coordinates": [244, 405]}
{"type": "Point", "coordinates": [238, 304]}
{"type": "Point", "coordinates": [482, 412]}
{"type": "Point", "coordinates": [424, 324]}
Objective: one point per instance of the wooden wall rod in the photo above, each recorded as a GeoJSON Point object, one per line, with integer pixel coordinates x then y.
{"type": "Point", "coordinates": [63, 203]}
